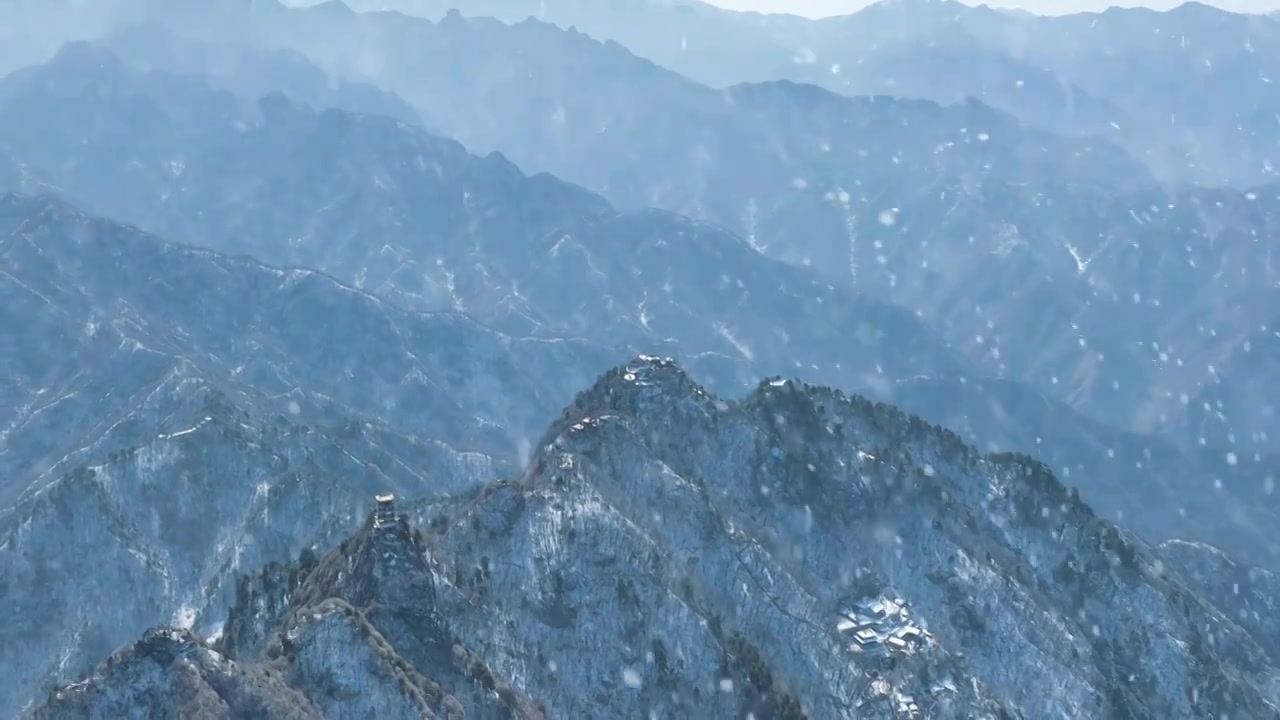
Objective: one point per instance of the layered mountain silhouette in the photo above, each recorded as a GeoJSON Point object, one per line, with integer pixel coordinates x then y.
{"type": "Point", "coordinates": [1136, 75]}
{"type": "Point", "coordinates": [103, 310]}
{"type": "Point", "coordinates": [251, 73]}
{"type": "Point", "coordinates": [420, 222]}
{"type": "Point", "coordinates": [799, 553]}
{"type": "Point", "coordinates": [294, 318]}
{"type": "Point", "coordinates": [1048, 259]}
{"type": "Point", "coordinates": [528, 254]}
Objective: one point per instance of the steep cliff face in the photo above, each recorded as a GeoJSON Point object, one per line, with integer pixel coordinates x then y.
{"type": "Point", "coordinates": [798, 553]}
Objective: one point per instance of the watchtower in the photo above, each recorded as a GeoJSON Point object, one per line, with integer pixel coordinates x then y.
{"type": "Point", "coordinates": [384, 512]}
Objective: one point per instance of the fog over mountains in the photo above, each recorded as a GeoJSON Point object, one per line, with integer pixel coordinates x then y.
{"type": "Point", "coordinates": [921, 362]}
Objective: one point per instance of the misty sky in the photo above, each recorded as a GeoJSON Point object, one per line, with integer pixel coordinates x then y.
{"type": "Point", "coordinates": [818, 8]}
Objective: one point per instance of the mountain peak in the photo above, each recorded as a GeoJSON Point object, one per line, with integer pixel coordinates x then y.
{"type": "Point", "coordinates": [644, 385]}
{"type": "Point", "coordinates": [935, 9]}
{"type": "Point", "coordinates": [919, 4]}
{"type": "Point", "coordinates": [83, 51]}
{"type": "Point", "coordinates": [74, 67]}
{"type": "Point", "coordinates": [1201, 10]}
{"type": "Point", "coordinates": [172, 673]}
{"type": "Point", "coordinates": [337, 7]}
{"type": "Point", "coordinates": [651, 376]}
{"type": "Point", "coordinates": [782, 515]}
{"type": "Point", "coordinates": [383, 565]}
{"type": "Point", "coordinates": [163, 645]}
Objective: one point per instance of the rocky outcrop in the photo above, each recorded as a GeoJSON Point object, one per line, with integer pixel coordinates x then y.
{"type": "Point", "coordinates": [173, 674]}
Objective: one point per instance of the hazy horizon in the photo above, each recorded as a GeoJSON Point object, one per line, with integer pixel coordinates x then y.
{"type": "Point", "coordinates": [824, 8]}
{"type": "Point", "coordinates": [828, 8]}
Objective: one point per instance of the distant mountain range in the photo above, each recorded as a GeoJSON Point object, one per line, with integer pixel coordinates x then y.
{"type": "Point", "coordinates": [417, 220]}
{"type": "Point", "coordinates": [252, 74]}
{"type": "Point", "coordinates": [447, 230]}
{"type": "Point", "coordinates": [1133, 74]}
{"type": "Point", "coordinates": [1238, 409]}
{"type": "Point", "coordinates": [1043, 258]}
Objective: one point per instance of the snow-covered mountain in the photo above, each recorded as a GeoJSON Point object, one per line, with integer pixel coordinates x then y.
{"type": "Point", "coordinates": [118, 354]}
{"type": "Point", "coordinates": [798, 553]}
{"type": "Point", "coordinates": [345, 303]}
{"type": "Point", "coordinates": [172, 415]}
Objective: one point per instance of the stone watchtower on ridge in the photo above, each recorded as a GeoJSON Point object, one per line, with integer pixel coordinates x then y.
{"type": "Point", "coordinates": [384, 512]}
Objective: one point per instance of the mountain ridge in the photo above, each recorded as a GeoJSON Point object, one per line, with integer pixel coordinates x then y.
{"type": "Point", "coordinates": [109, 410]}
{"type": "Point", "coordinates": [636, 411]}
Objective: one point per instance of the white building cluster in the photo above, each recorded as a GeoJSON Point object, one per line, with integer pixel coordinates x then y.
{"type": "Point", "coordinates": [881, 626]}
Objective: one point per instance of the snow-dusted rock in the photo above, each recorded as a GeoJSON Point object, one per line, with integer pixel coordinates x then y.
{"type": "Point", "coordinates": [668, 553]}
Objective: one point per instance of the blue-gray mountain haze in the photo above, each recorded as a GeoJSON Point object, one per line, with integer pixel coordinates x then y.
{"type": "Point", "coordinates": [915, 363]}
